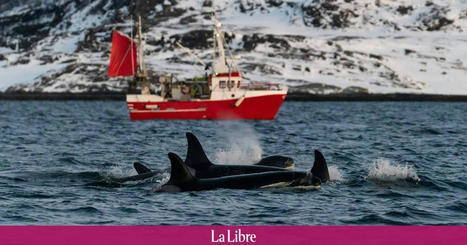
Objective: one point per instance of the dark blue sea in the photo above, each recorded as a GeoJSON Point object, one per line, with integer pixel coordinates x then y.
{"type": "Point", "coordinates": [391, 164]}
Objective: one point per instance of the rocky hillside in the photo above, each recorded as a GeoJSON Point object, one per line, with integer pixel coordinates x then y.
{"type": "Point", "coordinates": [317, 46]}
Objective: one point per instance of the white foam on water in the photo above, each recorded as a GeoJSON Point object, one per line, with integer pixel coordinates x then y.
{"type": "Point", "coordinates": [335, 174]}
{"type": "Point", "coordinates": [164, 179]}
{"type": "Point", "coordinates": [118, 171]}
{"type": "Point", "coordinates": [243, 146]}
{"type": "Point", "coordinates": [385, 170]}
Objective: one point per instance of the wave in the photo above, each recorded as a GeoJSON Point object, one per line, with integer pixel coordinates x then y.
{"type": "Point", "coordinates": [85, 210]}
{"type": "Point", "coordinates": [386, 171]}
{"type": "Point", "coordinates": [110, 178]}
{"type": "Point", "coordinates": [118, 171]}
{"type": "Point", "coordinates": [335, 174]}
{"type": "Point", "coordinates": [54, 176]}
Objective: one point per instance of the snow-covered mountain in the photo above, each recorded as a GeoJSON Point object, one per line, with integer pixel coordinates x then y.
{"type": "Point", "coordinates": [319, 46]}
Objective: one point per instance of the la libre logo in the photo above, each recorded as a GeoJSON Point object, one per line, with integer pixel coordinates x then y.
{"type": "Point", "coordinates": [232, 237]}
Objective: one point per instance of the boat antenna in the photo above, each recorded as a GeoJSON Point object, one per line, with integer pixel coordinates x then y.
{"type": "Point", "coordinates": [191, 53]}
{"type": "Point", "coordinates": [233, 64]}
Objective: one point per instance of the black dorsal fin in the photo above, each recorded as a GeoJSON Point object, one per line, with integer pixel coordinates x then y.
{"type": "Point", "coordinates": [179, 172]}
{"type": "Point", "coordinates": [195, 156]}
{"type": "Point", "coordinates": [140, 168]}
{"type": "Point", "coordinates": [320, 168]}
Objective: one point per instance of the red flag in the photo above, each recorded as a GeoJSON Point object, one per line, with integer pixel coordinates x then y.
{"type": "Point", "coordinates": [123, 60]}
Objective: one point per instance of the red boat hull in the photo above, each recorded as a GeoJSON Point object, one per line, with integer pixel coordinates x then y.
{"type": "Point", "coordinates": [255, 108]}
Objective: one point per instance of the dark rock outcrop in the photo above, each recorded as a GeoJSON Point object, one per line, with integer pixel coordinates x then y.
{"type": "Point", "coordinates": [326, 14]}
{"type": "Point", "coordinates": [196, 39]}
{"type": "Point", "coordinates": [251, 41]}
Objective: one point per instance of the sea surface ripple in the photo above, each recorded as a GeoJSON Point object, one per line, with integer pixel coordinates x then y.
{"type": "Point", "coordinates": [391, 164]}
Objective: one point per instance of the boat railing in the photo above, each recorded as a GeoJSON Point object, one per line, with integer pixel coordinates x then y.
{"type": "Point", "coordinates": [261, 86]}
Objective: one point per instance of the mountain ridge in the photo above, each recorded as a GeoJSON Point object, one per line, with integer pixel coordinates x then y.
{"type": "Point", "coordinates": [318, 47]}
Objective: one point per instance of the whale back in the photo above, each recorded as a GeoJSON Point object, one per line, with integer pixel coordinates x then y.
{"type": "Point", "coordinates": [196, 157]}
{"type": "Point", "coordinates": [140, 168]}
{"type": "Point", "coordinates": [277, 161]}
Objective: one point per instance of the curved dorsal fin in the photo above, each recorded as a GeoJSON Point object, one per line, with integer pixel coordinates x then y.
{"type": "Point", "coordinates": [140, 168]}
{"type": "Point", "coordinates": [320, 168]}
{"type": "Point", "coordinates": [179, 172]}
{"type": "Point", "coordinates": [195, 156]}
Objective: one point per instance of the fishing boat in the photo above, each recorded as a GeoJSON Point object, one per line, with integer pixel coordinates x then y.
{"type": "Point", "coordinates": [221, 94]}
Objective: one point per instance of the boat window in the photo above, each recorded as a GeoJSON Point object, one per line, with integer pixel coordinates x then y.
{"type": "Point", "coordinates": [221, 84]}
{"type": "Point", "coordinates": [232, 84]}
{"type": "Point", "coordinates": [238, 84]}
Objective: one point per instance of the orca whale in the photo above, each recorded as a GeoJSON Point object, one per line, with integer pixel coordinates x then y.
{"type": "Point", "coordinates": [143, 173]}
{"type": "Point", "coordinates": [181, 178]}
{"type": "Point", "coordinates": [201, 167]}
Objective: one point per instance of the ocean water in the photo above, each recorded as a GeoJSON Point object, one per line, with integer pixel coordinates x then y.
{"type": "Point", "coordinates": [391, 164]}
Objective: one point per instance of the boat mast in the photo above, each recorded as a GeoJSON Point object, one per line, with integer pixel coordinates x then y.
{"type": "Point", "coordinates": [131, 45]}
{"type": "Point", "coordinates": [142, 66]}
{"type": "Point", "coordinates": [142, 75]}
{"type": "Point", "coordinates": [218, 64]}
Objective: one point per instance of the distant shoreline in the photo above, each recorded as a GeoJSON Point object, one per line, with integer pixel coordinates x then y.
{"type": "Point", "coordinates": [117, 96]}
